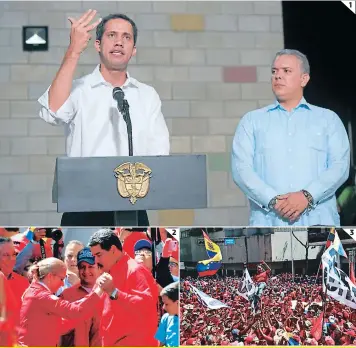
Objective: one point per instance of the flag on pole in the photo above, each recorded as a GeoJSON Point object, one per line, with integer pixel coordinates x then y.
{"type": "Point", "coordinates": [331, 237]}
{"type": "Point", "coordinates": [212, 265]}
{"type": "Point", "coordinates": [336, 283]}
{"type": "Point", "coordinates": [338, 246]}
{"type": "Point", "coordinates": [317, 328]}
{"type": "Point", "coordinates": [246, 286]}
{"type": "Point", "coordinates": [210, 302]}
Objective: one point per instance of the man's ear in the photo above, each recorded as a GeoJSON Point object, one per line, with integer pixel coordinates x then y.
{"type": "Point", "coordinates": [305, 79]}
{"type": "Point", "coordinates": [97, 45]}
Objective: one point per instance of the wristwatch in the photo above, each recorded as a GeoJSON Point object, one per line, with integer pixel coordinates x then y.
{"type": "Point", "coordinates": [310, 199]}
{"type": "Point", "coordinates": [114, 294]}
{"type": "Point", "coordinates": [272, 203]}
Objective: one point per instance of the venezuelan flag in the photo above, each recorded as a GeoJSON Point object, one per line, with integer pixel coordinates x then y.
{"type": "Point", "coordinates": [212, 265]}
{"type": "Point", "coordinates": [291, 341]}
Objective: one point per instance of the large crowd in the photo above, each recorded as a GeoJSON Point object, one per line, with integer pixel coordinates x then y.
{"type": "Point", "coordinates": [288, 310]}
{"type": "Point", "coordinates": [119, 290]}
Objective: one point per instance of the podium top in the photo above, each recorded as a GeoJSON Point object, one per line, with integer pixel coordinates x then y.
{"type": "Point", "coordinates": [85, 184]}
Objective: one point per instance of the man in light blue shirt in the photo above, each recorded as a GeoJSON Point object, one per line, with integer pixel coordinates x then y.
{"type": "Point", "coordinates": [289, 158]}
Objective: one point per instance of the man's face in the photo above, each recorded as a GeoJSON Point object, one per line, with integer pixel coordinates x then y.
{"type": "Point", "coordinates": [88, 273]}
{"type": "Point", "coordinates": [117, 44]}
{"type": "Point", "coordinates": [173, 267]}
{"type": "Point", "coordinates": [7, 258]}
{"type": "Point", "coordinates": [70, 257]}
{"type": "Point", "coordinates": [144, 256]}
{"type": "Point", "coordinates": [171, 307]}
{"type": "Point", "coordinates": [104, 258]}
{"type": "Point", "coordinates": [288, 80]}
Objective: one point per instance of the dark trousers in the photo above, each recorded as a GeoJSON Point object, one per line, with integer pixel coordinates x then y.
{"type": "Point", "coordinates": [99, 219]}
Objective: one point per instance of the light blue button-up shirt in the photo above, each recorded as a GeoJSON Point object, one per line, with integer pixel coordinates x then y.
{"type": "Point", "coordinates": [276, 152]}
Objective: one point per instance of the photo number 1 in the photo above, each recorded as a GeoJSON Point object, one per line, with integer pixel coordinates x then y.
{"type": "Point", "coordinates": [351, 5]}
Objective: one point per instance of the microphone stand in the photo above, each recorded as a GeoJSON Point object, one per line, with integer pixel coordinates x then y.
{"type": "Point", "coordinates": [127, 119]}
{"type": "Point", "coordinates": [125, 218]}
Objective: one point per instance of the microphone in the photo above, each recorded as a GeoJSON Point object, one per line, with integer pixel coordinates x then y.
{"type": "Point", "coordinates": [119, 95]}
{"type": "Point", "coordinates": [123, 106]}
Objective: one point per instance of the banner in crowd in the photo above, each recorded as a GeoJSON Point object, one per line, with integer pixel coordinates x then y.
{"type": "Point", "coordinates": [212, 265]}
{"type": "Point", "coordinates": [246, 286]}
{"type": "Point", "coordinates": [210, 302]}
{"type": "Point", "coordinates": [336, 283]}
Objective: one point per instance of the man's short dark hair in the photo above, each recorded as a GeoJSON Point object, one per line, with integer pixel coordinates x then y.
{"type": "Point", "coordinates": [106, 238]}
{"type": "Point", "coordinates": [100, 29]}
{"type": "Point", "coordinates": [171, 291]}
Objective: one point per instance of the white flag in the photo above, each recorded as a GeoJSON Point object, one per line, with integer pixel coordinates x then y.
{"type": "Point", "coordinates": [351, 232]}
{"type": "Point", "coordinates": [336, 283]}
{"type": "Point", "coordinates": [210, 302]}
{"type": "Point", "coordinates": [246, 286]}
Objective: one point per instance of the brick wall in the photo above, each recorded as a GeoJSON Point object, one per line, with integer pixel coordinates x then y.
{"type": "Point", "coordinates": [209, 61]}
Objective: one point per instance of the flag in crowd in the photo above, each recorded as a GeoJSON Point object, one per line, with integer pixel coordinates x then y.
{"type": "Point", "coordinates": [210, 266]}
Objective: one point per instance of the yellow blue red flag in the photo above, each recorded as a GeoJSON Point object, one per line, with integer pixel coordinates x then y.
{"type": "Point", "coordinates": [212, 265]}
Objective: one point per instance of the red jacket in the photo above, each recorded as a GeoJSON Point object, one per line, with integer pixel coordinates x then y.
{"type": "Point", "coordinates": [131, 320]}
{"type": "Point", "coordinates": [86, 330]}
{"type": "Point", "coordinates": [18, 284]}
{"type": "Point", "coordinates": [41, 315]}
{"type": "Point", "coordinates": [11, 308]}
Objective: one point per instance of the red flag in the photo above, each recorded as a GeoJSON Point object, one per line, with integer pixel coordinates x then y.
{"type": "Point", "coordinates": [352, 273]}
{"type": "Point", "coordinates": [317, 328]}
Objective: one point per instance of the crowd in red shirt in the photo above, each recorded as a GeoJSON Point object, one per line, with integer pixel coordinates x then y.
{"type": "Point", "coordinates": [288, 310]}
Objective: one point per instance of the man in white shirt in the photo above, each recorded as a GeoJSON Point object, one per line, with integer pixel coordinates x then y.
{"type": "Point", "coordinates": [86, 107]}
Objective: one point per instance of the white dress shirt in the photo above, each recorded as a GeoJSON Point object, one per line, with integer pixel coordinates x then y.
{"type": "Point", "coordinates": [94, 127]}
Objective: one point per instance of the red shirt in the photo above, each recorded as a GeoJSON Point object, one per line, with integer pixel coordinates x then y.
{"type": "Point", "coordinates": [18, 284]}
{"type": "Point", "coordinates": [41, 315]}
{"type": "Point", "coordinates": [12, 311]}
{"type": "Point", "coordinates": [262, 277]}
{"type": "Point", "coordinates": [131, 320]}
{"type": "Point", "coordinates": [86, 330]}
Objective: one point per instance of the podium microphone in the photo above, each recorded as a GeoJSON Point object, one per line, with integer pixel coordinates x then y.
{"type": "Point", "coordinates": [123, 106]}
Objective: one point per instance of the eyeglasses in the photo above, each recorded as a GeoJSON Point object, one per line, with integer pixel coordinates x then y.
{"type": "Point", "coordinates": [143, 252]}
{"type": "Point", "coordinates": [173, 264]}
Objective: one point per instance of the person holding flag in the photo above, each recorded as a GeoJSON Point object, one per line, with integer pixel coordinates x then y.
{"type": "Point", "coordinates": [260, 280]}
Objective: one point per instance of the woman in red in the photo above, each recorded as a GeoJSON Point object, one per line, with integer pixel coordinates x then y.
{"type": "Point", "coordinates": [42, 313]}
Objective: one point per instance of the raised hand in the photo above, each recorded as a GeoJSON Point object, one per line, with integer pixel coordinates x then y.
{"type": "Point", "coordinates": [80, 31]}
